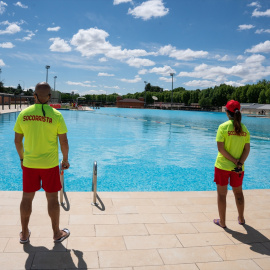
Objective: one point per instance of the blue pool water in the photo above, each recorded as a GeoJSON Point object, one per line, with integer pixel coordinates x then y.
{"type": "Point", "coordinates": [142, 150]}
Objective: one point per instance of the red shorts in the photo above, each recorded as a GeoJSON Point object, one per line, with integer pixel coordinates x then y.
{"type": "Point", "coordinates": [50, 179]}
{"type": "Point", "coordinates": [222, 178]}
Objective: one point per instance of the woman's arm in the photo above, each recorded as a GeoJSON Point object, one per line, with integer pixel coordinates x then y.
{"type": "Point", "coordinates": [245, 153]}
{"type": "Point", "coordinates": [221, 149]}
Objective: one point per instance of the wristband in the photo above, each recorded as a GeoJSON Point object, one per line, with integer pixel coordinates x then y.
{"type": "Point", "coordinates": [21, 159]}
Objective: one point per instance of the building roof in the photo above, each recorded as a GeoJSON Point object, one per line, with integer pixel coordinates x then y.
{"type": "Point", "coordinates": [255, 106]}
{"type": "Point", "coordinates": [131, 100]}
{"type": "Point", "coordinates": [264, 107]}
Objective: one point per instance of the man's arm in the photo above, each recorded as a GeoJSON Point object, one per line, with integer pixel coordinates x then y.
{"type": "Point", "coordinates": [64, 149]}
{"type": "Point", "coordinates": [19, 145]}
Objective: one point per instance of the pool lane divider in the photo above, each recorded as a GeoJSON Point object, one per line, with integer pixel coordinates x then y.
{"type": "Point", "coordinates": [178, 125]}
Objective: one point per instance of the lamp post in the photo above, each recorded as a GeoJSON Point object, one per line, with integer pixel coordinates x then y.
{"type": "Point", "coordinates": [145, 94]}
{"type": "Point", "coordinates": [0, 73]}
{"type": "Point", "coordinates": [47, 67]}
{"type": "Point", "coordinates": [171, 74]}
{"type": "Point", "coordinates": [55, 77]}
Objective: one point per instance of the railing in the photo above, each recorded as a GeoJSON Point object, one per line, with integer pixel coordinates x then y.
{"type": "Point", "coordinates": [94, 184]}
{"type": "Point", "coordinates": [62, 190]}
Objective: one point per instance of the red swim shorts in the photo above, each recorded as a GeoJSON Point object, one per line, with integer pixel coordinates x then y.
{"type": "Point", "coordinates": [222, 178]}
{"type": "Point", "coordinates": [50, 179]}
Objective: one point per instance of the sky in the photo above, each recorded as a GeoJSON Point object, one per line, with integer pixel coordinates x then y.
{"type": "Point", "coordinates": [107, 46]}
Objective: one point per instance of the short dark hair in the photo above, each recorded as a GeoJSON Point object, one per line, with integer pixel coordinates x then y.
{"type": "Point", "coordinates": [42, 85]}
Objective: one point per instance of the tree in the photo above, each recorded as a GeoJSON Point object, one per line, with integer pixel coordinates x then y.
{"type": "Point", "coordinates": [262, 97]}
{"type": "Point", "coordinates": [205, 102]}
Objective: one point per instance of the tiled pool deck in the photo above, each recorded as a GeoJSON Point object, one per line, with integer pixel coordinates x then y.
{"type": "Point", "coordinates": [139, 231]}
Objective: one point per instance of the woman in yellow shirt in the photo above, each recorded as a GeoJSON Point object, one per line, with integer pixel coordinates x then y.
{"type": "Point", "coordinates": [233, 142]}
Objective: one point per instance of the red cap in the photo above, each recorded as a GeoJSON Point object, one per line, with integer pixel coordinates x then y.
{"type": "Point", "coordinates": [233, 105]}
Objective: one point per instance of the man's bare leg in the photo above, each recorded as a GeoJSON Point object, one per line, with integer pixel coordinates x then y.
{"type": "Point", "coordinates": [221, 199]}
{"type": "Point", "coordinates": [240, 202]}
{"type": "Point", "coordinates": [54, 213]}
{"type": "Point", "coordinates": [26, 210]}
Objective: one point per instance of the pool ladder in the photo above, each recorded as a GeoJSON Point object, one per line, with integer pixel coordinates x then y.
{"type": "Point", "coordinates": [94, 184]}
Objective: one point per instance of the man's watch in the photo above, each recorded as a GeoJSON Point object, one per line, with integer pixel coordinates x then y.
{"type": "Point", "coordinates": [21, 159]}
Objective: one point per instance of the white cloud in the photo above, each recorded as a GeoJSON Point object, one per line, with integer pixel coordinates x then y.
{"type": "Point", "coordinates": [166, 79]}
{"type": "Point", "coordinates": [101, 74]}
{"type": "Point", "coordinates": [83, 84]}
{"type": "Point", "coordinates": [185, 55]}
{"type": "Point", "coordinates": [200, 83]}
{"type": "Point", "coordinates": [257, 13]}
{"type": "Point", "coordinates": [245, 27]}
{"type": "Point", "coordinates": [232, 83]}
{"type": "Point", "coordinates": [28, 37]}
{"type": "Point", "coordinates": [135, 80]}
{"type": "Point", "coordinates": [250, 70]}
{"type": "Point", "coordinates": [165, 70]}
{"type": "Point", "coordinates": [112, 87]}
{"type": "Point", "coordinates": [117, 2]}
{"type": "Point", "coordinates": [254, 4]}
{"type": "Point", "coordinates": [149, 9]}
{"type": "Point", "coordinates": [91, 42]}
{"type": "Point", "coordinates": [224, 58]}
{"type": "Point", "coordinates": [12, 28]}
{"type": "Point", "coordinates": [93, 92]}
{"type": "Point", "coordinates": [2, 7]}
{"type": "Point", "coordinates": [59, 45]}
{"type": "Point", "coordinates": [142, 71]}
{"type": "Point", "coordinates": [240, 57]}
{"type": "Point", "coordinates": [53, 29]}
{"type": "Point", "coordinates": [139, 62]}
{"type": "Point", "coordinates": [82, 66]}
{"type": "Point", "coordinates": [260, 48]}
{"type": "Point", "coordinates": [119, 54]}
{"type": "Point", "coordinates": [7, 45]}
{"type": "Point", "coordinates": [2, 63]}
{"type": "Point", "coordinates": [19, 4]}
{"type": "Point", "coordinates": [260, 31]}
{"type": "Point", "coordinates": [103, 59]}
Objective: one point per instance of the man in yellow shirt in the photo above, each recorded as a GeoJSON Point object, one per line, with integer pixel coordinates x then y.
{"type": "Point", "coordinates": [40, 125]}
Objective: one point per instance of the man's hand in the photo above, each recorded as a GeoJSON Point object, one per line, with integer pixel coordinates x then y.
{"type": "Point", "coordinates": [65, 164]}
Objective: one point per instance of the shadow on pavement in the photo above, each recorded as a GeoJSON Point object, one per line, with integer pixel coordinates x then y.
{"type": "Point", "coordinates": [253, 238]}
{"type": "Point", "coordinates": [59, 257]}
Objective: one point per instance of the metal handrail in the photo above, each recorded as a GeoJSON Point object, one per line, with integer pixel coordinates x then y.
{"type": "Point", "coordinates": [94, 184]}
{"type": "Point", "coordinates": [62, 190]}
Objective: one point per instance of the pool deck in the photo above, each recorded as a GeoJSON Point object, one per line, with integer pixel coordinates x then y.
{"type": "Point", "coordinates": [139, 231]}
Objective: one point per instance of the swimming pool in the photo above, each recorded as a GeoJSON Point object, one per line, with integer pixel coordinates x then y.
{"type": "Point", "coordinates": [142, 150]}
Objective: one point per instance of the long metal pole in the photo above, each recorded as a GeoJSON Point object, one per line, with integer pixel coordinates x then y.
{"type": "Point", "coordinates": [94, 184]}
{"type": "Point", "coordinates": [62, 190]}
{"type": "Point", "coordinates": [172, 91]}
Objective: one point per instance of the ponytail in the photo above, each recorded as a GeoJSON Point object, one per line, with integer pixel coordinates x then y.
{"type": "Point", "coordinates": [236, 121]}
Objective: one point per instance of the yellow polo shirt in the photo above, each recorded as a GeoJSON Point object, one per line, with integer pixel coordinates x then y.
{"type": "Point", "coordinates": [40, 135]}
{"type": "Point", "coordinates": [233, 144]}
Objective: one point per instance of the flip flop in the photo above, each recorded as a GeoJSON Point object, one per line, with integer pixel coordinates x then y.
{"type": "Point", "coordinates": [26, 240]}
{"type": "Point", "coordinates": [63, 237]}
{"type": "Point", "coordinates": [216, 221]}
{"type": "Point", "coordinates": [241, 223]}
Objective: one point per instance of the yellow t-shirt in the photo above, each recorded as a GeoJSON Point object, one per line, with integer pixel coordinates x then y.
{"type": "Point", "coordinates": [233, 144]}
{"type": "Point", "coordinates": [40, 135]}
